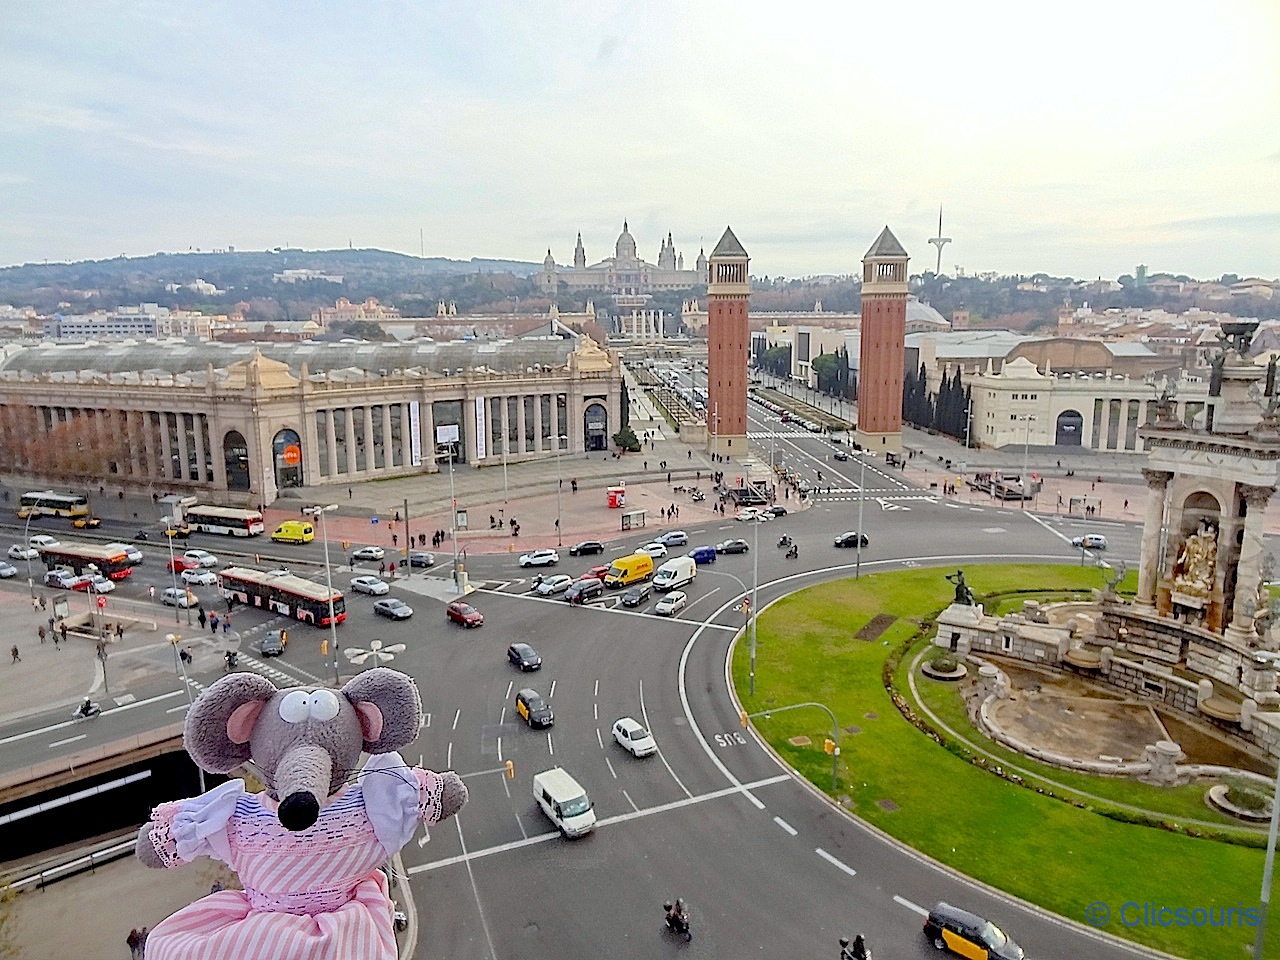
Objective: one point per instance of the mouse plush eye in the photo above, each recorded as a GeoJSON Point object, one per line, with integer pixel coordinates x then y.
{"type": "Point", "coordinates": [323, 705]}
{"type": "Point", "coordinates": [295, 707]}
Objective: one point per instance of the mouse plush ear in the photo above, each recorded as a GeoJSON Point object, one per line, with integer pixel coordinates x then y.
{"type": "Point", "coordinates": [389, 707]}
{"type": "Point", "coordinates": [218, 723]}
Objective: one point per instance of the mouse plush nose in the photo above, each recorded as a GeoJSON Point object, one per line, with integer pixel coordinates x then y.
{"type": "Point", "coordinates": [299, 811]}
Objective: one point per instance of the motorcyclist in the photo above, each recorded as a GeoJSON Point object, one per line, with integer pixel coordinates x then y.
{"type": "Point", "coordinates": [859, 950]}
{"type": "Point", "coordinates": [230, 657]}
{"type": "Point", "coordinates": [677, 916]}
{"type": "Point", "coordinates": [86, 708]}
{"type": "Point", "coordinates": [784, 541]}
{"type": "Point", "coordinates": [793, 553]}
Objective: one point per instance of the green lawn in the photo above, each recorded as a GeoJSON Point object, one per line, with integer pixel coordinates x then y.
{"type": "Point", "coordinates": [1038, 848]}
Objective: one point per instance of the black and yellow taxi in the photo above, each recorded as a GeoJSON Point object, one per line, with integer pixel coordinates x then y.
{"type": "Point", "coordinates": [968, 935]}
{"type": "Point", "coordinates": [533, 709]}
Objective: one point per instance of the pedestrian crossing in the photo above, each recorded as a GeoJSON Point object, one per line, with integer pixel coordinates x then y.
{"type": "Point", "coordinates": [780, 434]}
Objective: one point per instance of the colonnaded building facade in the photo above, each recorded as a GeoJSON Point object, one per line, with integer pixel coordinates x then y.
{"type": "Point", "coordinates": [625, 272]}
{"type": "Point", "coordinates": [240, 422]}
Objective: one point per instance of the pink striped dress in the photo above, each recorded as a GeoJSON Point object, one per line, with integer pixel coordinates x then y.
{"type": "Point", "coordinates": [312, 895]}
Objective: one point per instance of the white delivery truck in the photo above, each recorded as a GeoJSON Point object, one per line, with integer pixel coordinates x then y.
{"type": "Point", "coordinates": [675, 573]}
{"type": "Point", "coordinates": [564, 802]}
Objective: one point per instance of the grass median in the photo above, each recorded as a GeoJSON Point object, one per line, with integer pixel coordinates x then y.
{"type": "Point", "coordinates": [1036, 847]}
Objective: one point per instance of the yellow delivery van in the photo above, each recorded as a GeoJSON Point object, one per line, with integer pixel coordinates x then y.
{"type": "Point", "coordinates": [628, 570]}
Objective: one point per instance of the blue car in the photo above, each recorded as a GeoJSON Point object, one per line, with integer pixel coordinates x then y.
{"type": "Point", "coordinates": [703, 554]}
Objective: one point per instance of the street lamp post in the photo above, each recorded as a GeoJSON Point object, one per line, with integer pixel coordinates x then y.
{"type": "Point", "coordinates": [862, 497]}
{"type": "Point", "coordinates": [26, 546]}
{"type": "Point", "coordinates": [1028, 419]}
{"type": "Point", "coordinates": [1264, 659]}
{"type": "Point", "coordinates": [169, 524]}
{"type": "Point", "coordinates": [175, 639]}
{"type": "Point", "coordinates": [328, 581]}
{"type": "Point", "coordinates": [755, 589]}
{"type": "Point", "coordinates": [560, 439]}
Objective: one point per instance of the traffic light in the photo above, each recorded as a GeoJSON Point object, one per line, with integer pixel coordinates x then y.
{"type": "Point", "coordinates": [829, 747]}
{"type": "Point", "coordinates": [743, 717]}
{"type": "Point", "coordinates": [511, 769]}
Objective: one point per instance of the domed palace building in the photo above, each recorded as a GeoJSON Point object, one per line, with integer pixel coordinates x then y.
{"type": "Point", "coordinates": [238, 422]}
{"type": "Point", "coordinates": [623, 274]}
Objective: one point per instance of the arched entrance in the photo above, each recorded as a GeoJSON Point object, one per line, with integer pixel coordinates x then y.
{"type": "Point", "coordinates": [1070, 432]}
{"type": "Point", "coordinates": [286, 451]}
{"type": "Point", "coordinates": [595, 426]}
{"type": "Point", "coordinates": [235, 456]}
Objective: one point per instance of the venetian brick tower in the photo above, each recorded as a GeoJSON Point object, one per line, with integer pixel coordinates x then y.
{"type": "Point", "coordinates": [882, 353]}
{"type": "Point", "coordinates": [728, 341]}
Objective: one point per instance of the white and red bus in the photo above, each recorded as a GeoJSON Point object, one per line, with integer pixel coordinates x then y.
{"type": "Point", "coordinates": [283, 593]}
{"type": "Point", "coordinates": [110, 561]}
{"type": "Point", "coordinates": [225, 520]}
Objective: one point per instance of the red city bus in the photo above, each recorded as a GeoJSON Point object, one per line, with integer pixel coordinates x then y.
{"type": "Point", "coordinates": [283, 593]}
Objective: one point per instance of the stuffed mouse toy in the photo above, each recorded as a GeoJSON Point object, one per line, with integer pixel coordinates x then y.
{"type": "Point", "coordinates": [308, 848]}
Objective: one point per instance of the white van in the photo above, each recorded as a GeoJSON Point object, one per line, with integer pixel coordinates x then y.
{"type": "Point", "coordinates": [675, 573]}
{"type": "Point", "coordinates": [564, 801]}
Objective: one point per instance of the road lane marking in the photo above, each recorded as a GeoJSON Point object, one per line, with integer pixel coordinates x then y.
{"type": "Point", "coordinates": [902, 901]}
{"type": "Point", "coordinates": [551, 694]}
{"type": "Point", "coordinates": [785, 826]}
{"type": "Point", "coordinates": [63, 743]}
{"type": "Point", "coordinates": [179, 709]}
{"type": "Point", "coordinates": [610, 766]}
{"type": "Point", "coordinates": [468, 856]}
{"type": "Point", "coordinates": [599, 739]}
{"type": "Point", "coordinates": [705, 596]}
{"type": "Point", "coordinates": [448, 757]}
{"type": "Point", "coordinates": [630, 801]}
{"type": "Point", "coordinates": [475, 890]}
{"type": "Point", "coordinates": [457, 713]}
{"type": "Point", "coordinates": [596, 691]}
{"type": "Point", "coordinates": [66, 724]}
{"type": "Point", "coordinates": [644, 712]}
{"type": "Point", "coordinates": [499, 749]}
{"type": "Point", "coordinates": [595, 712]}
{"type": "Point", "coordinates": [836, 863]}
{"type": "Point", "coordinates": [510, 684]}
{"type": "Point", "coordinates": [550, 746]}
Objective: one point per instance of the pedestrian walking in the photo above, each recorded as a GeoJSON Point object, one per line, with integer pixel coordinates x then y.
{"type": "Point", "coordinates": [213, 623]}
{"type": "Point", "coordinates": [62, 630]}
{"type": "Point", "coordinates": [42, 601]}
{"type": "Point", "coordinates": [226, 624]}
{"type": "Point", "coordinates": [348, 493]}
{"type": "Point", "coordinates": [57, 638]}
{"type": "Point", "coordinates": [52, 623]}
{"type": "Point", "coordinates": [151, 592]}
{"type": "Point", "coordinates": [119, 631]}
{"type": "Point", "coordinates": [395, 539]}
{"type": "Point", "coordinates": [40, 633]}
{"type": "Point", "coordinates": [13, 652]}
{"type": "Point", "coordinates": [202, 617]}
{"type": "Point", "coordinates": [382, 568]}
{"type": "Point", "coordinates": [35, 603]}
{"type": "Point", "coordinates": [392, 570]}
{"type": "Point", "coordinates": [134, 942]}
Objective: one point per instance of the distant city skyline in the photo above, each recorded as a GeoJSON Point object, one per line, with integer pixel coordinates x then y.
{"type": "Point", "coordinates": [1076, 141]}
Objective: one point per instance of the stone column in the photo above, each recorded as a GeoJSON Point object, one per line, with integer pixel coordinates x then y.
{"type": "Point", "coordinates": [310, 446]}
{"type": "Point", "coordinates": [406, 451]}
{"type": "Point", "coordinates": [1249, 569]}
{"type": "Point", "coordinates": [468, 428]}
{"type": "Point", "coordinates": [198, 421]}
{"type": "Point", "coordinates": [368, 438]}
{"type": "Point", "coordinates": [351, 441]}
{"type": "Point", "coordinates": [184, 459]}
{"type": "Point", "coordinates": [388, 458]}
{"type": "Point", "coordinates": [427, 425]}
{"type": "Point", "coordinates": [216, 434]}
{"type": "Point", "coordinates": [537, 423]}
{"type": "Point", "coordinates": [331, 442]}
{"type": "Point", "coordinates": [520, 424]}
{"type": "Point", "coordinates": [1149, 555]}
{"type": "Point", "coordinates": [503, 426]}
{"type": "Point", "coordinates": [573, 419]}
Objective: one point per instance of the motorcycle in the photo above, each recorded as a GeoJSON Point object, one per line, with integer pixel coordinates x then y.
{"type": "Point", "coordinates": [784, 541]}
{"type": "Point", "coordinates": [793, 553]}
{"type": "Point", "coordinates": [142, 535]}
{"type": "Point", "coordinates": [229, 661]}
{"type": "Point", "coordinates": [535, 583]}
{"type": "Point", "coordinates": [84, 712]}
{"type": "Point", "coordinates": [698, 496]}
{"type": "Point", "coordinates": [678, 922]}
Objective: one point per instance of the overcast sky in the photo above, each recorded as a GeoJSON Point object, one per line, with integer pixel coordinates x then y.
{"type": "Point", "coordinates": [1075, 138]}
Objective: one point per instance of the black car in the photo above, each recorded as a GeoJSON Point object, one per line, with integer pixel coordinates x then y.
{"type": "Point", "coordinates": [420, 558]}
{"type": "Point", "coordinates": [840, 455]}
{"type": "Point", "coordinates": [967, 934]}
{"type": "Point", "coordinates": [850, 540]}
{"type": "Point", "coordinates": [778, 510]}
{"type": "Point", "coordinates": [733, 546]}
{"type": "Point", "coordinates": [524, 656]}
{"type": "Point", "coordinates": [533, 709]}
{"type": "Point", "coordinates": [586, 547]}
{"type": "Point", "coordinates": [637, 595]}
{"type": "Point", "coordinates": [588, 588]}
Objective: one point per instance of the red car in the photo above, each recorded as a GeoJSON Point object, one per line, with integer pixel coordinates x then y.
{"type": "Point", "coordinates": [459, 611]}
{"type": "Point", "coordinates": [179, 564]}
{"type": "Point", "coordinates": [595, 573]}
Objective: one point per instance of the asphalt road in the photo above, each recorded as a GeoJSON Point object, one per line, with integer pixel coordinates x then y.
{"type": "Point", "coordinates": [767, 867]}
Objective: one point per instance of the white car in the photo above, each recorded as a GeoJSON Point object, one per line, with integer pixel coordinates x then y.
{"type": "Point", "coordinates": [550, 586]}
{"type": "Point", "coordinates": [19, 552]}
{"type": "Point", "coordinates": [202, 557]}
{"type": "Point", "coordinates": [66, 579]}
{"type": "Point", "coordinates": [634, 738]}
{"type": "Point", "coordinates": [671, 604]}
{"type": "Point", "coordinates": [177, 597]}
{"type": "Point", "coordinates": [101, 584]}
{"type": "Point", "coordinates": [8, 570]}
{"type": "Point", "coordinates": [370, 585]}
{"type": "Point", "coordinates": [747, 513]}
{"type": "Point", "coordinates": [540, 558]}
{"type": "Point", "coordinates": [201, 576]}
{"type": "Point", "coordinates": [656, 550]}
{"type": "Point", "coordinates": [130, 551]}
{"type": "Point", "coordinates": [1090, 541]}
{"type": "Point", "coordinates": [43, 540]}
{"type": "Point", "coordinates": [368, 553]}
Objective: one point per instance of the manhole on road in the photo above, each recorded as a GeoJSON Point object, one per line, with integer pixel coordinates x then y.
{"type": "Point", "coordinates": [994, 530]}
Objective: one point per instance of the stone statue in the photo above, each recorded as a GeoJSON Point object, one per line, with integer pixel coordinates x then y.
{"type": "Point", "coordinates": [1117, 574]}
{"type": "Point", "coordinates": [964, 596]}
{"type": "Point", "coordinates": [1193, 575]}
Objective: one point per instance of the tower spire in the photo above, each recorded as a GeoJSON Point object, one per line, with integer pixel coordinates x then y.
{"type": "Point", "coordinates": [939, 241]}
